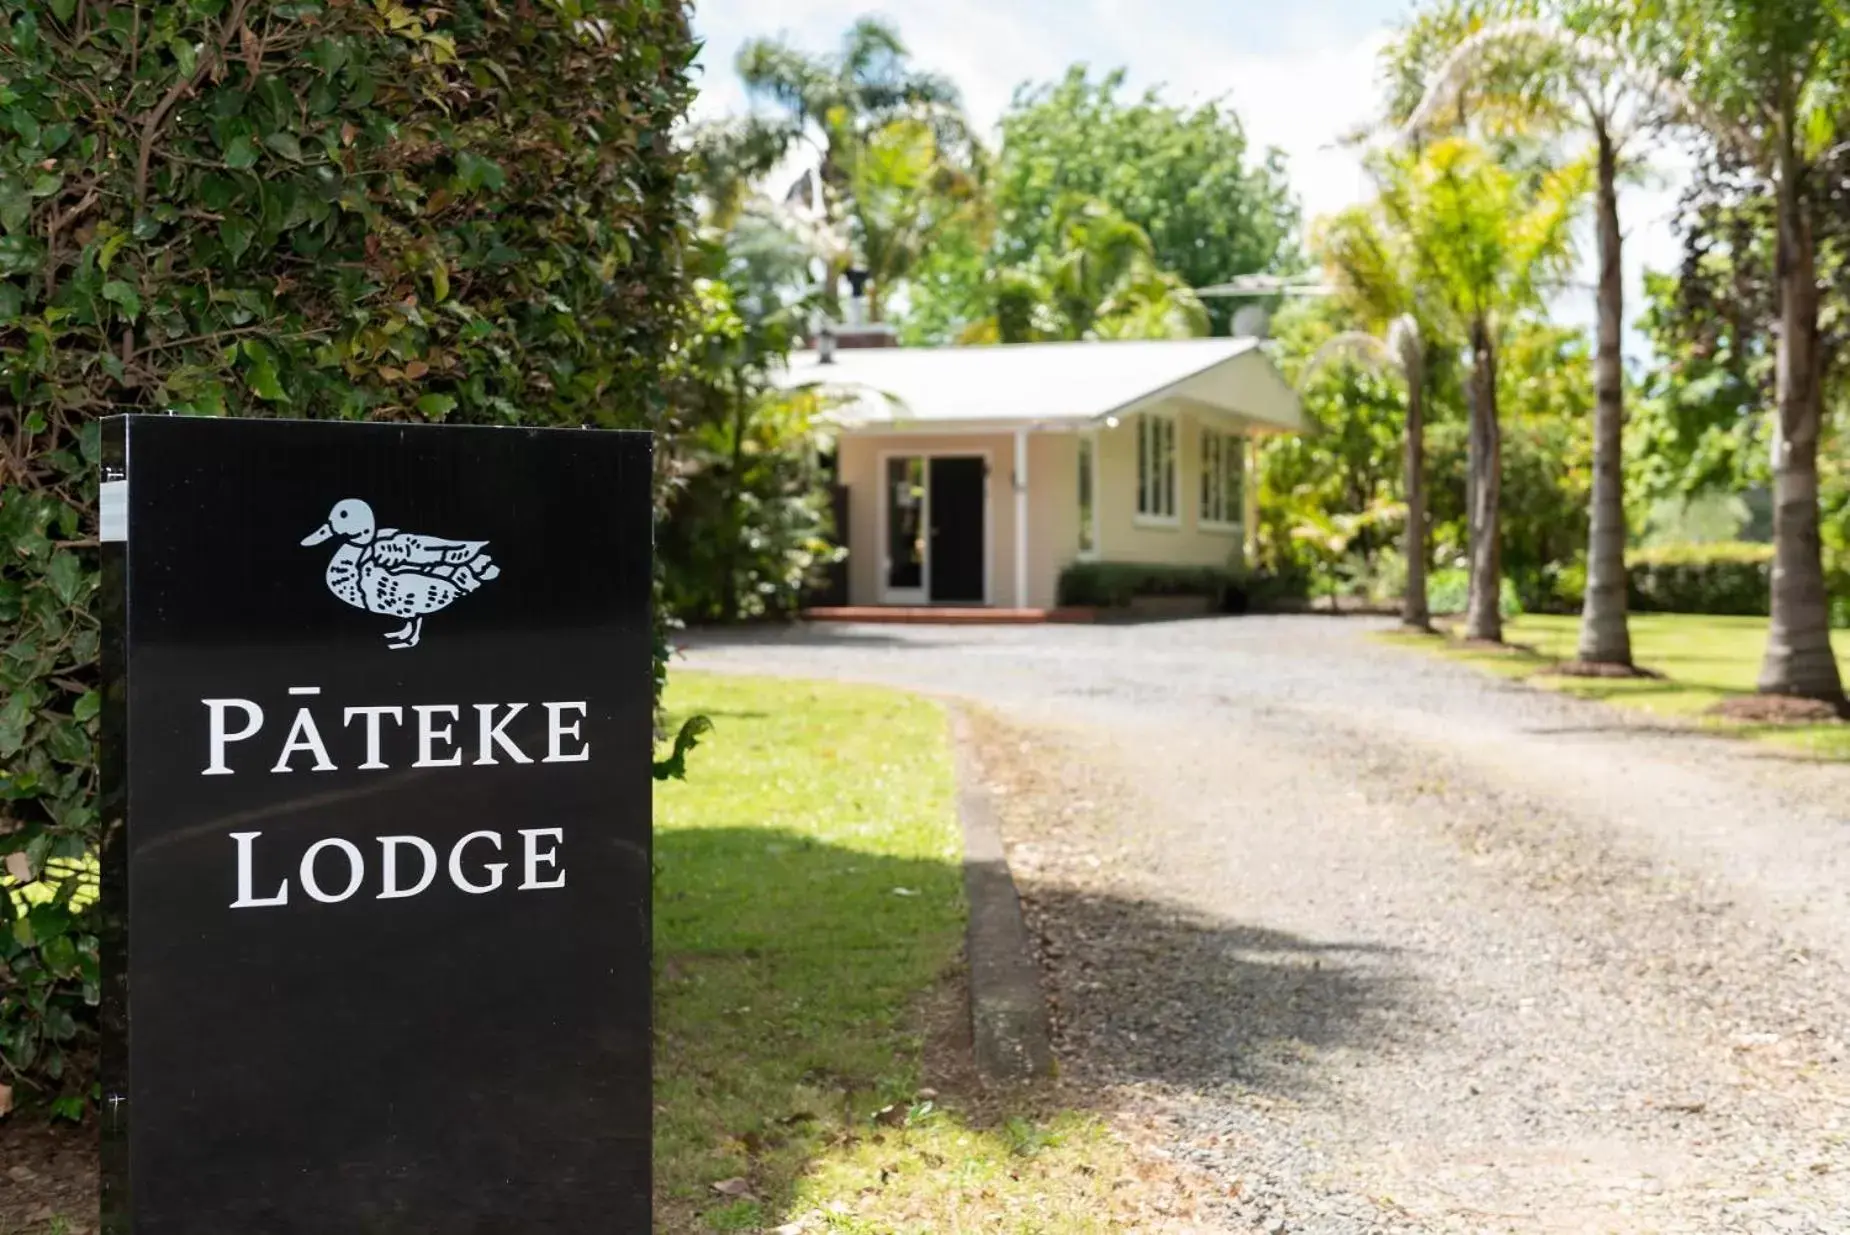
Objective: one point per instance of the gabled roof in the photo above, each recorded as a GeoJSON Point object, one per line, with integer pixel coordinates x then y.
{"type": "Point", "coordinates": [1049, 384]}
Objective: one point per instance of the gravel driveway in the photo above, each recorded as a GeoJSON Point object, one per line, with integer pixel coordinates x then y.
{"type": "Point", "coordinates": [1383, 944]}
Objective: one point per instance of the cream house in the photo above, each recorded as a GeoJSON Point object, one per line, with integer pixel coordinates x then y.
{"type": "Point", "coordinates": [975, 475]}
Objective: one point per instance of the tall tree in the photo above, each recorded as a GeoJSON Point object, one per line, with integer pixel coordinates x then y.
{"type": "Point", "coordinates": [1773, 80]}
{"type": "Point", "coordinates": [903, 189]}
{"type": "Point", "coordinates": [1488, 243]}
{"type": "Point", "coordinates": [1374, 273]}
{"type": "Point", "coordinates": [833, 98]}
{"type": "Point", "coordinates": [840, 103]}
{"type": "Point", "coordinates": [1211, 206]}
{"type": "Point", "coordinates": [1550, 74]}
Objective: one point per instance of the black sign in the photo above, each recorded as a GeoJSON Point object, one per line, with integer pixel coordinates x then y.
{"type": "Point", "coordinates": [376, 777]}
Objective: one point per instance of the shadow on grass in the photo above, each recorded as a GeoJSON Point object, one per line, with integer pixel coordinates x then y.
{"type": "Point", "coordinates": [794, 1001]}
{"type": "Point", "coordinates": [803, 987]}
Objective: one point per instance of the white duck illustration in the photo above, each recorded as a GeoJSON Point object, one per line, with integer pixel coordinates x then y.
{"type": "Point", "coordinates": [398, 574]}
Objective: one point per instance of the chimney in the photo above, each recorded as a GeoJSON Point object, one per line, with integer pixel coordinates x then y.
{"type": "Point", "coordinates": [857, 331]}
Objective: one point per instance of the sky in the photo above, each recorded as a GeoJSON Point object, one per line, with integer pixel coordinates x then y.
{"type": "Point", "coordinates": [1300, 73]}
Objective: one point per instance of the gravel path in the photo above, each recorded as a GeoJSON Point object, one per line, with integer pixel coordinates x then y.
{"type": "Point", "coordinates": [1384, 944]}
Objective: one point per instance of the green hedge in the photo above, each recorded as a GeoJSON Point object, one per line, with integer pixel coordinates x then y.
{"type": "Point", "coordinates": [330, 208]}
{"type": "Point", "coordinates": [1114, 584]}
{"type": "Point", "coordinates": [1723, 578]}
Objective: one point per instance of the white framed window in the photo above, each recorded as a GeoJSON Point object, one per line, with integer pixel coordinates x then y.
{"type": "Point", "coordinates": [1223, 479]}
{"type": "Point", "coordinates": [1088, 497]}
{"type": "Point", "coordinates": [1156, 468]}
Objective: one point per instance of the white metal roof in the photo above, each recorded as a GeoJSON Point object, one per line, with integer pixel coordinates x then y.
{"type": "Point", "coordinates": [1048, 384]}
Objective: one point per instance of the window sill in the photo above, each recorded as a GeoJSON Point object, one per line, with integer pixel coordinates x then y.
{"type": "Point", "coordinates": [1172, 523]}
{"type": "Point", "coordinates": [1221, 529]}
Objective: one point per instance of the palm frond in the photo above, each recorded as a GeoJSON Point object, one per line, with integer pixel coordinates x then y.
{"type": "Point", "coordinates": [1354, 347]}
{"type": "Point", "coordinates": [1491, 48]}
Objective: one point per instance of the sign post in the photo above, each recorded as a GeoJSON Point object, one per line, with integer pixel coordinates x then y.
{"type": "Point", "coordinates": [377, 806]}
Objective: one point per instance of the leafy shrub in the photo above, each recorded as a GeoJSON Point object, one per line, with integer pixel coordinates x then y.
{"type": "Point", "coordinates": [323, 208]}
{"type": "Point", "coordinates": [748, 523]}
{"type": "Point", "coordinates": [1114, 584]}
{"type": "Point", "coordinates": [1564, 587]}
{"type": "Point", "coordinates": [1727, 577]}
{"type": "Point", "coordinates": [1274, 588]}
{"type": "Point", "coordinates": [1449, 591]}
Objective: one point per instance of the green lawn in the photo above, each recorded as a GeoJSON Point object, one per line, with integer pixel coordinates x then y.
{"type": "Point", "coordinates": [1703, 659]}
{"type": "Point", "coordinates": [808, 921]}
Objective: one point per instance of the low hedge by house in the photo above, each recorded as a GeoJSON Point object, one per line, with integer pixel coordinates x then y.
{"type": "Point", "coordinates": [1112, 585]}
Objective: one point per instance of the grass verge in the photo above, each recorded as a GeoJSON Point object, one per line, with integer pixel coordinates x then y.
{"type": "Point", "coordinates": [811, 1070]}
{"type": "Point", "coordinates": [810, 1029]}
{"type": "Point", "coordinates": [1703, 660]}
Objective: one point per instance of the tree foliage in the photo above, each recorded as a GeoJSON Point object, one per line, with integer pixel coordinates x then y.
{"type": "Point", "coordinates": [1186, 178]}
{"type": "Point", "coordinates": [327, 208]}
{"type": "Point", "coordinates": [890, 142]}
{"type": "Point", "coordinates": [1101, 280]}
{"type": "Point", "coordinates": [747, 523]}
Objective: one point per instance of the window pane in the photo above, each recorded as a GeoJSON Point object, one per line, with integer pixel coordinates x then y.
{"type": "Point", "coordinates": [1169, 468]}
{"type": "Point", "coordinates": [1143, 465]}
{"type": "Point", "coordinates": [1207, 470]}
{"type": "Point", "coordinates": [1085, 495]}
{"type": "Point", "coordinates": [905, 523]}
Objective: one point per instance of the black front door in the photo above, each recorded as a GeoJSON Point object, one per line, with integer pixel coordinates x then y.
{"type": "Point", "coordinates": [957, 532]}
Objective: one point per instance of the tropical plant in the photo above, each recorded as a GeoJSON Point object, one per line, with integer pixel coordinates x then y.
{"type": "Point", "coordinates": [1373, 271]}
{"type": "Point", "coordinates": [1355, 464]}
{"type": "Point", "coordinates": [1486, 242]}
{"type": "Point", "coordinates": [1772, 81]}
{"type": "Point", "coordinates": [903, 190]}
{"type": "Point", "coordinates": [746, 519]}
{"type": "Point", "coordinates": [841, 104]}
{"type": "Point", "coordinates": [1551, 74]}
{"type": "Point", "coordinates": [1101, 280]}
{"type": "Point", "coordinates": [1403, 352]}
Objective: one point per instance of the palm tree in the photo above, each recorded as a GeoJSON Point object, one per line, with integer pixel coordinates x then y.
{"type": "Point", "coordinates": [831, 99]}
{"type": "Point", "coordinates": [1485, 243]}
{"type": "Point", "coordinates": [1541, 74]}
{"type": "Point", "coordinates": [1373, 271]}
{"type": "Point", "coordinates": [1773, 80]}
{"type": "Point", "coordinates": [901, 191]}
{"type": "Point", "coordinates": [839, 103]}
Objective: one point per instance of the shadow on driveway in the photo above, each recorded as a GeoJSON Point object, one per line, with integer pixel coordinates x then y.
{"type": "Point", "coordinates": [1148, 992]}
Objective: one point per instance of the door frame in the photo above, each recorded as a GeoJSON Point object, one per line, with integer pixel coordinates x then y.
{"type": "Point", "coordinates": [922, 595]}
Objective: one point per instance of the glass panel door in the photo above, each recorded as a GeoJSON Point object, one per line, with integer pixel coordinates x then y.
{"type": "Point", "coordinates": [904, 578]}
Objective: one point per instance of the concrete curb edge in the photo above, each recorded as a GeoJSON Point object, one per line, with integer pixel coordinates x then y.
{"type": "Point", "coordinates": [1008, 1013]}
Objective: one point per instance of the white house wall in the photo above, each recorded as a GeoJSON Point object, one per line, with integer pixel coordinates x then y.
{"type": "Point", "coordinates": [1123, 537]}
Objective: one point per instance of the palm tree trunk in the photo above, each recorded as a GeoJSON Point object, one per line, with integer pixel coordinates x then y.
{"type": "Point", "coordinates": [1413, 610]}
{"type": "Point", "coordinates": [1483, 614]}
{"type": "Point", "coordinates": [1605, 636]}
{"type": "Point", "coordinates": [735, 512]}
{"type": "Point", "coordinates": [1798, 654]}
